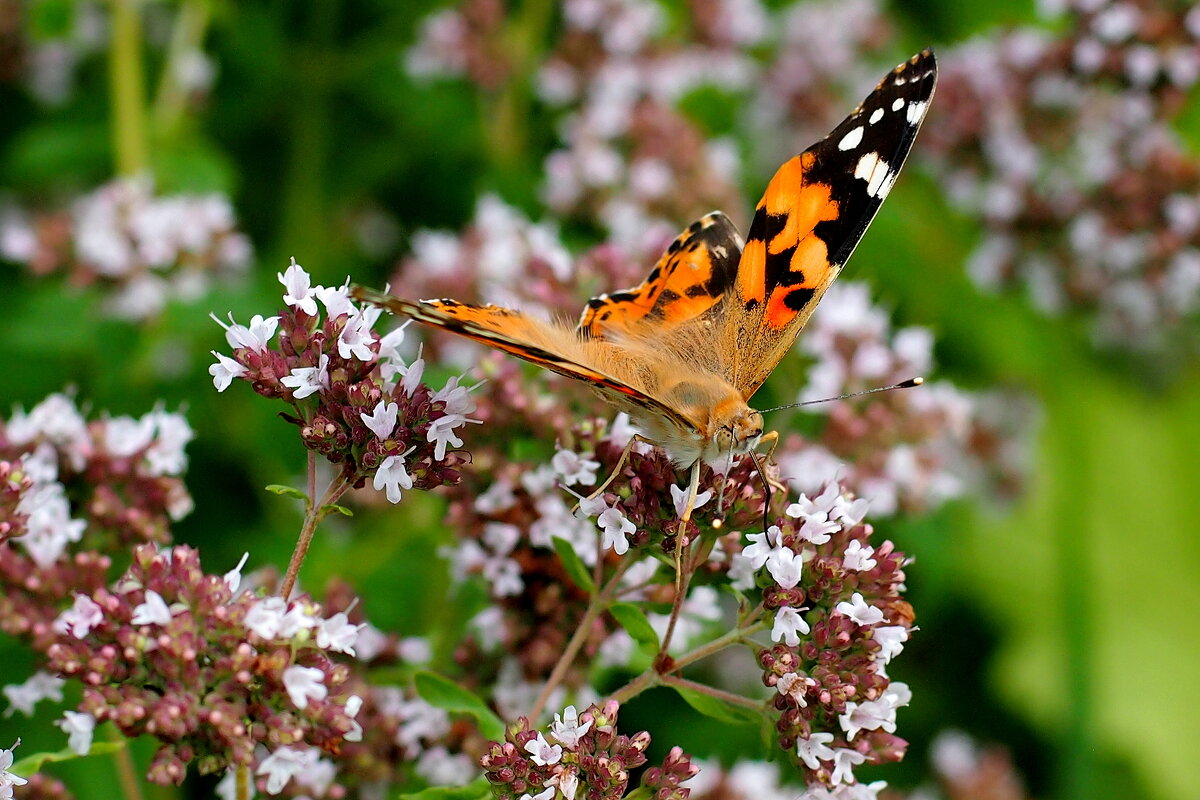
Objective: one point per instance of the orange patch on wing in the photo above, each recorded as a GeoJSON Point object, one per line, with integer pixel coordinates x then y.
{"type": "Point", "coordinates": [752, 272]}
{"type": "Point", "coordinates": [686, 308]}
{"type": "Point", "coordinates": [778, 315]}
{"type": "Point", "coordinates": [811, 260]}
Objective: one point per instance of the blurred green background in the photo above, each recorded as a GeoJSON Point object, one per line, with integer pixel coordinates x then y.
{"type": "Point", "coordinates": [1061, 626]}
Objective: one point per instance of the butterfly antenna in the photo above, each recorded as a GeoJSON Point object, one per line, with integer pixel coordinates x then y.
{"type": "Point", "coordinates": [762, 476]}
{"type": "Point", "coordinates": [908, 384]}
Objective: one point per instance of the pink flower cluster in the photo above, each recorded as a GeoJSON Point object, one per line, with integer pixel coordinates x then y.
{"type": "Point", "coordinates": [354, 398]}
{"type": "Point", "coordinates": [824, 581]}
{"type": "Point", "coordinates": [584, 757]}
{"type": "Point", "coordinates": [1062, 146]}
{"type": "Point", "coordinates": [145, 249]}
{"type": "Point", "coordinates": [81, 490]}
{"type": "Point", "coordinates": [211, 673]}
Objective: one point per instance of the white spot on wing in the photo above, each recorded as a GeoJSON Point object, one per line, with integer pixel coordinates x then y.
{"type": "Point", "coordinates": [851, 139]}
{"type": "Point", "coordinates": [865, 165]}
{"type": "Point", "coordinates": [898, 104]}
{"type": "Point", "coordinates": [876, 172]}
{"type": "Point", "coordinates": [915, 112]}
{"type": "Point", "coordinates": [876, 115]}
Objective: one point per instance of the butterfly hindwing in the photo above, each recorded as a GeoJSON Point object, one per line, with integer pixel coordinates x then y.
{"type": "Point", "coordinates": [813, 214]}
{"type": "Point", "coordinates": [688, 280]}
{"type": "Point", "coordinates": [551, 347]}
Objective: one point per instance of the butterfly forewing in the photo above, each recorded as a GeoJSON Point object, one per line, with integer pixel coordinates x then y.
{"type": "Point", "coordinates": [549, 346]}
{"type": "Point", "coordinates": [690, 278]}
{"type": "Point", "coordinates": [812, 216]}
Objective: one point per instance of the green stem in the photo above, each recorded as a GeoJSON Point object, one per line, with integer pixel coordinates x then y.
{"type": "Point", "coordinates": [717, 645]}
{"type": "Point", "coordinates": [187, 36]}
{"type": "Point", "coordinates": [313, 514]}
{"type": "Point", "coordinates": [127, 86]}
{"type": "Point", "coordinates": [712, 691]}
{"type": "Point", "coordinates": [651, 678]}
{"type": "Point", "coordinates": [598, 604]}
{"type": "Point", "coordinates": [131, 789]}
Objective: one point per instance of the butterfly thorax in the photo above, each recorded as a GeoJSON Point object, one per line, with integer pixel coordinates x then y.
{"type": "Point", "coordinates": [721, 422]}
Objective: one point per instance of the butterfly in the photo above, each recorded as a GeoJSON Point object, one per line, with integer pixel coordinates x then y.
{"type": "Point", "coordinates": [683, 352]}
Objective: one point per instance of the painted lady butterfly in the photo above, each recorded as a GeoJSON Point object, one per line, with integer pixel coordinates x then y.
{"type": "Point", "coordinates": [685, 351]}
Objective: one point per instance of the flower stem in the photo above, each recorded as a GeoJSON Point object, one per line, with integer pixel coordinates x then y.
{"type": "Point", "coordinates": [651, 678]}
{"type": "Point", "coordinates": [126, 83]}
{"type": "Point", "coordinates": [598, 604]}
{"type": "Point", "coordinates": [717, 645]}
{"type": "Point", "coordinates": [187, 34]}
{"type": "Point", "coordinates": [242, 783]}
{"type": "Point", "coordinates": [131, 789]}
{"type": "Point", "coordinates": [712, 691]}
{"type": "Point", "coordinates": [313, 514]}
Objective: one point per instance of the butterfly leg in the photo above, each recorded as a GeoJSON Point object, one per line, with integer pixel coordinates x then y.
{"type": "Point", "coordinates": [612, 476]}
{"type": "Point", "coordinates": [771, 437]}
{"type": "Point", "coordinates": [693, 489]}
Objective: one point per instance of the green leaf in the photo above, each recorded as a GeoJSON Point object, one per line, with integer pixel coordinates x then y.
{"type": "Point", "coordinates": [634, 621]}
{"type": "Point", "coordinates": [31, 764]}
{"type": "Point", "coordinates": [287, 491]}
{"type": "Point", "coordinates": [573, 564]}
{"type": "Point", "coordinates": [449, 696]}
{"type": "Point", "coordinates": [335, 508]}
{"type": "Point", "coordinates": [711, 706]}
{"type": "Point", "coordinates": [477, 789]}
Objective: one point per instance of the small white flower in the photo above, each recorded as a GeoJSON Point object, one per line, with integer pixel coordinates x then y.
{"type": "Point", "coordinates": [542, 752]}
{"type": "Point", "coordinates": [338, 634]}
{"type": "Point", "coordinates": [233, 578]}
{"type": "Point", "coordinates": [858, 557]}
{"type": "Point", "coordinates": [567, 730]}
{"type": "Point", "coordinates": [7, 779]}
{"type": "Point", "coordinates": [24, 696]}
{"type": "Point", "coordinates": [456, 397]}
{"type": "Point", "coordinates": [545, 794]}
{"type": "Point", "coordinates": [616, 527]}
{"type": "Point", "coordinates": [284, 764]}
{"type": "Point", "coordinates": [265, 618]}
{"type": "Point", "coordinates": [891, 639]}
{"type": "Point", "coordinates": [742, 573]}
{"type": "Point", "coordinates": [792, 684]}
{"type": "Point", "coordinates": [392, 476]}
{"type": "Point", "coordinates": [353, 706]}
{"type": "Point", "coordinates": [566, 780]}
{"type": "Point", "coordinates": [573, 468]}
{"type": "Point", "coordinates": [871, 715]}
{"type": "Point", "coordinates": [412, 376]}
{"type": "Point", "coordinates": [79, 620]}
{"type": "Point", "coordinates": [788, 624]}
{"type": "Point", "coordinates": [152, 611]}
{"type": "Point", "coordinates": [303, 684]}
{"type": "Point", "coordinates": [79, 728]}
{"type": "Point", "coordinates": [785, 566]}
{"type": "Point", "coordinates": [256, 337]}
{"type": "Point", "coordinates": [382, 421]}
{"type": "Point", "coordinates": [356, 337]}
{"type": "Point", "coordinates": [299, 293]}
{"type": "Point", "coordinates": [844, 760]}
{"type": "Point", "coordinates": [224, 371]}
{"type": "Point", "coordinates": [679, 499]}
{"type": "Point", "coordinates": [815, 749]}
{"type": "Point", "coordinates": [860, 611]}
{"type": "Point", "coordinates": [304, 381]}
{"type": "Point", "coordinates": [336, 299]}
{"type": "Point", "coordinates": [441, 434]}
{"type": "Point", "coordinates": [761, 546]}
